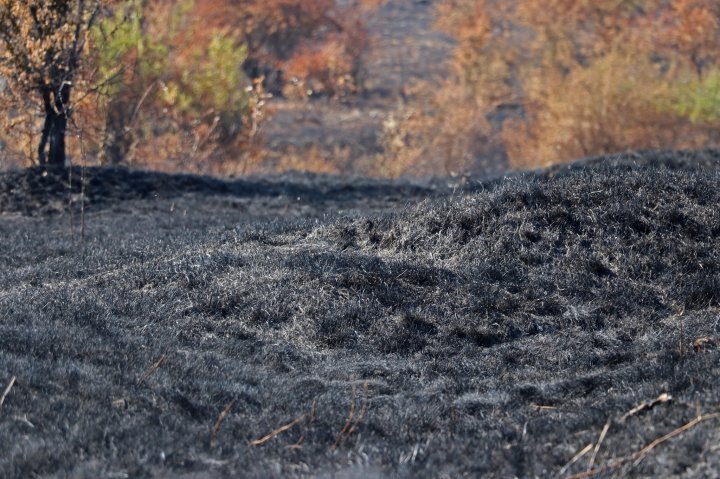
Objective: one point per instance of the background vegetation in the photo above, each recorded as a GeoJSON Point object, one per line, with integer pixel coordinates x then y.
{"type": "Point", "coordinates": [554, 80]}
{"type": "Point", "coordinates": [190, 84]}
{"type": "Point", "coordinates": [183, 84]}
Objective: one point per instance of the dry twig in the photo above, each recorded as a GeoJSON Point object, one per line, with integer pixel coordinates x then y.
{"type": "Point", "coordinates": [576, 458]}
{"type": "Point", "coordinates": [603, 433]}
{"type": "Point", "coordinates": [298, 444]}
{"type": "Point", "coordinates": [223, 414]}
{"type": "Point", "coordinates": [363, 409]}
{"type": "Point", "coordinates": [681, 341]}
{"type": "Point", "coordinates": [352, 422]}
{"type": "Point", "coordinates": [7, 390]}
{"type": "Point", "coordinates": [663, 398]}
{"type": "Point", "coordinates": [349, 419]}
{"type": "Point", "coordinates": [152, 369]}
{"type": "Point", "coordinates": [541, 407]}
{"type": "Point", "coordinates": [281, 429]}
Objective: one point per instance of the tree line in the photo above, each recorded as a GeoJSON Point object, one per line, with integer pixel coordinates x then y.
{"type": "Point", "coordinates": [545, 81]}
{"type": "Point", "coordinates": [183, 81]}
{"type": "Point", "coordinates": [184, 84]}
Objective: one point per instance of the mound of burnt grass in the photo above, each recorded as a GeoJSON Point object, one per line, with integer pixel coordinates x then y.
{"type": "Point", "coordinates": [559, 323]}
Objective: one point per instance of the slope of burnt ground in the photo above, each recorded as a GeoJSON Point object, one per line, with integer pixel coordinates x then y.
{"type": "Point", "coordinates": [503, 330]}
{"type": "Point", "coordinates": [40, 192]}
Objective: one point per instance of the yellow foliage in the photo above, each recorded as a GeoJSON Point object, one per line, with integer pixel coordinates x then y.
{"type": "Point", "coordinates": [580, 77]}
{"type": "Point", "coordinates": [441, 136]}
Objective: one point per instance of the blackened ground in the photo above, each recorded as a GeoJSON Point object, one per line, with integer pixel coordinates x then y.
{"type": "Point", "coordinates": [490, 331]}
{"type": "Point", "coordinates": [39, 192]}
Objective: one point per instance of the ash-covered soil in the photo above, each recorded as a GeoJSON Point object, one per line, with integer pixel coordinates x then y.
{"type": "Point", "coordinates": [556, 323]}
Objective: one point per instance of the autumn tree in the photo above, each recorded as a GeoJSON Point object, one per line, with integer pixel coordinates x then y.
{"type": "Point", "coordinates": [42, 45]}
{"type": "Point", "coordinates": [176, 84]}
{"type": "Point", "coordinates": [172, 87]}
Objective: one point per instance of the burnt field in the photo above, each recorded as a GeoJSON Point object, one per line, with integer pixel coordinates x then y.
{"type": "Point", "coordinates": [559, 323]}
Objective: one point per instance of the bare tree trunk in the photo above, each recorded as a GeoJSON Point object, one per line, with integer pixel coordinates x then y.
{"type": "Point", "coordinates": [55, 128]}
{"type": "Point", "coordinates": [57, 133]}
{"type": "Point", "coordinates": [47, 103]}
{"type": "Point", "coordinates": [118, 137]}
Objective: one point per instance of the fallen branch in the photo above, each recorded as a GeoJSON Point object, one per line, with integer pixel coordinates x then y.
{"type": "Point", "coordinates": [280, 430]}
{"type": "Point", "coordinates": [216, 426]}
{"type": "Point", "coordinates": [638, 456]}
{"type": "Point", "coordinates": [7, 390]}
{"type": "Point", "coordinates": [152, 369]}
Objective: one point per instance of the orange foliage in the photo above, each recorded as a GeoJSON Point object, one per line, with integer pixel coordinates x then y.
{"type": "Point", "coordinates": [690, 30]}
{"type": "Point", "coordinates": [583, 78]}
{"type": "Point", "coordinates": [331, 68]}
{"type": "Point", "coordinates": [602, 78]}
{"type": "Point", "coordinates": [444, 128]}
{"type": "Point", "coordinates": [157, 106]}
{"type": "Point", "coordinates": [605, 108]}
{"type": "Point", "coordinates": [316, 46]}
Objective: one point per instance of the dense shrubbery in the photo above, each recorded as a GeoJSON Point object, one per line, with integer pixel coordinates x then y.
{"type": "Point", "coordinates": [182, 84]}
{"type": "Point", "coordinates": [179, 96]}
{"type": "Point", "coordinates": [577, 78]}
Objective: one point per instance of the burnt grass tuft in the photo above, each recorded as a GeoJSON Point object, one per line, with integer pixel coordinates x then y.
{"type": "Point", "coordinates": [487, 330]}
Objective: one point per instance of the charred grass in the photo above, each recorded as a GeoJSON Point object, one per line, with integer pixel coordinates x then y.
{"type": "Point", "coordinates": [535, 325]}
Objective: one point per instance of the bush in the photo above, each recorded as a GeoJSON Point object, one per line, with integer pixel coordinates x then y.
{"type": "Point", "coordinates": [295, 45]}
{"type": "Point", "coordinates": [554, 80]}
{"type": "Point", "coordinates": [180, 97]}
